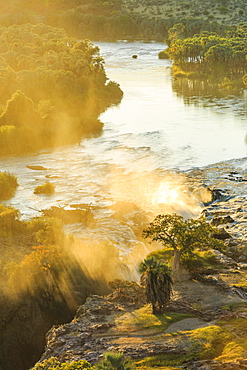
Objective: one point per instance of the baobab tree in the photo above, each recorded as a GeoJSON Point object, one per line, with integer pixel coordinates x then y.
{"type": "Point", "coordinates": [172, 231]}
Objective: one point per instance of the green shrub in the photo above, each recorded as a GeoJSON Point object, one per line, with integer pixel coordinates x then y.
{"type": "Point", "coordinates": [163, 55]}
{"type": "Point", "coordinates": [115, 361]}
{"type": "Point", "coordinates": [47, 188]}
{"type": "Point", "coordinates": [19, 111]}
{"type": "Point", "coordinates": [46, 268]}
{"type": "Point", "coordinates": [199, 261]}
{"type": "Point", "coordinates": [48, 230]}
{"type": "Point", "coordinates": [36, 224]}
{"type": "Point", "coordinates": [8, 185]}
{"type": "Point", "coordinates": [9, 221]}
{"type": "Point", "coordinates": [164, 255]}
{"type": "Point", "coordinates": [48, 364]}
{"type": "Point", "coordinates": [51, 232]}
{"type": "Point", "coordinates": [53, 364]}
{"type": "Point", "coordinates": [223, 10]}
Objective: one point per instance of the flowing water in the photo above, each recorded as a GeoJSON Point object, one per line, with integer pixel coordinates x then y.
{"type": "Point", "coordinates": [162, 128]}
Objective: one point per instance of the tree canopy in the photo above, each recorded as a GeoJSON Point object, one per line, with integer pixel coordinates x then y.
{"type": "Point", "coordinates": [209, 52]}
{"type": "Point", "coordinates": [52, 88]}
{"type": "Point", "coordinates": [118, 19]}
{"type": "Point", "coordinates": [171, 230]}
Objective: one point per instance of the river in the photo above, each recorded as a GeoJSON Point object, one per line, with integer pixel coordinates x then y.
{"type": "Point", "coordinates": [159, 130]}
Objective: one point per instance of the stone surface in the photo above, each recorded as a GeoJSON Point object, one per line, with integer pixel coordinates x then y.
{"type": "Point", "coordinates": [188, 324]}
{"type": "Point", "coordinates": [94, 329]}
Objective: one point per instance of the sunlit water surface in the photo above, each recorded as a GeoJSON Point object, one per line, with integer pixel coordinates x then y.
{"type": "Point", "coordinates": [159, 129]}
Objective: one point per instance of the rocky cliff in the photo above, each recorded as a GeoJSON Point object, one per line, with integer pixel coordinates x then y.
{"type": "Point", "coordinates": [116, 323]}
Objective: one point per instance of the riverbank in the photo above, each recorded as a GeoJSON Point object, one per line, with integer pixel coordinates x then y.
{"type": "Point", "coordinates": [50, 96]}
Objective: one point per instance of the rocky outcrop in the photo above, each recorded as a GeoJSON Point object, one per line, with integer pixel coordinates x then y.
{"type": "Point", "coordinates": [96, 329]}
{"type": "Point", "coordinates": [23, 326]}
{"type": "Point", "coordinates": [70, 216]}
{"type": "Point", "coordinates": [27, 315]}
{"type": "Point", "coordinates": [226, 207]}
{"type": "Point", "coordinates": [91, 334]}
{"type": "Point", "coordinates": [78, 339]}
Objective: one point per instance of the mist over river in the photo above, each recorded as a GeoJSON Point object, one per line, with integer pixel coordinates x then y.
{"type": "Point", "coordinates": [135, 167]}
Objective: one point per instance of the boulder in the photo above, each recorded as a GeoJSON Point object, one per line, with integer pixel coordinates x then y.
{"type": "Point", "coordinates": [69, 216]}
{"type": "Point", "coordinates": [222, 234]}
{"type": "Point", "coordinates": [220, 220]}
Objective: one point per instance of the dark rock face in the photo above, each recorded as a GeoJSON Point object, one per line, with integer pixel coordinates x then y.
{"type": "Point", "coordinates": [227, 204]}
{"type": "Point", "coordinates": [216, 221]}
{"type": "Point", "coordinates": [26, 315]}
{"type": "Point", "coordinates": [221, 235]}
{"type": "Point", "coordinates": [74, 341]}
{"type": "Point", "coordinates": [23, 327]}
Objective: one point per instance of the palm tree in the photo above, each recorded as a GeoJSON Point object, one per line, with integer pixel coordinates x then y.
{"type": "Point", "coordinates": [115, 361]}
{"type": "Point", "coordinates": [156, 277]}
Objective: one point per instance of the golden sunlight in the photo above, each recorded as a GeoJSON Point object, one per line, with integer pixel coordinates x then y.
{"type": "Point", "coordinates": [175, 197]}
{"type": "Point", "coordinates": [166, 194]}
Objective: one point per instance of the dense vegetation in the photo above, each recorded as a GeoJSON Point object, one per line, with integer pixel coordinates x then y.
{"type": "Point", "coordinates": [8, 185]}
{"type": "Point", "coordinates": [41, 273]}
{"type": "Point", "coordinates": [110, 361]}
{"type": "Point", "coordinates": [44, 256]}
{"type": "Point", "coordinates": [52, 88]}
{"type": "Point", "coordinates": [117, 19]}
{"type": "Point", "coordinates": [208, 54]}
{"type": "Point", "coordinates": [45, 261]}
{"type": "Point", "coordinates": [53, 364]}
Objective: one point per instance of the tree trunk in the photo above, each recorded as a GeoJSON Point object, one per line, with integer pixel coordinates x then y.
{"type": "Point", "coordinates": [176, 265]}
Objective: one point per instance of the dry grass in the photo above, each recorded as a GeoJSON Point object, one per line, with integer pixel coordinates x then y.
{"type": "Point", "coordinates": [235, 277]}
{"type": "Point", "coordinates": [142, 321]}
